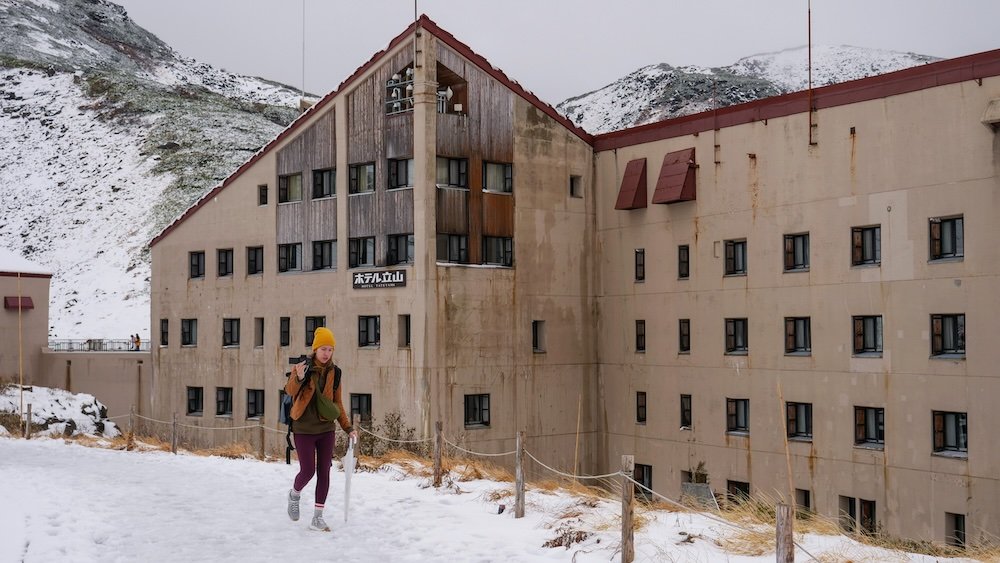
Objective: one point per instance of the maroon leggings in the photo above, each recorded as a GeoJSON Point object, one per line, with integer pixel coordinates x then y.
{"type": "Point", "coordinates": [313, 447]}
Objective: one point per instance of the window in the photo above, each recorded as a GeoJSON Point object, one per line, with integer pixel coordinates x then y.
{"type": "Point", "coordinates": [575, 186]}
{"type": "Point", "coordinates": [640, 264]}
{"type": "Point", "coordinates": [803, 501]}
{"type": "Point", "coordinates": [400, 249]}
{"type": "Point", "coordinates": [368, 331]}
{"type": "Point", "coordinates": [736, 336]}
{"type": "Point", "coordinates": [361, 405]}
{"type": "Point", "coordinates": [686, 422]}
{"type": "Point", "coordinates": [951, 432]}
{"type": "Point", "coordinates": [684, 336]}
{"type": "Point", "coordinates": [498, 251]}
{"type": "Point", "coordinates": [737, 491]}
{"type": "Point", "coordinates": [362, 252]}
{"type": "Point", "coordinates": [798, 337]}
{"type": "Point", "coordinates": [289, 257]}
{"type": "Point", "coordinates": [362, 178]}
{"type": "Point", "coordinates": [284, 330]}
{"type": "Point", "coordinates": [868, 335]}
{"type": "Point", "coordinates": [800, 420]}
{"type": "Point", "coordinates": [453, 248]}
{"type": "Point", "coordinates": [947, 335]}
{"type": "Point", "coordinates": [869, 425]}
{"type": "Point", "coordinates": [954, 533]}
{"type": "Point", "coordinates": [640, 407]}
{"type": "Point", "coordinates": [453, 172]}
{"type": "Point", "coordinates": [736, 257]}
{"type": "Point", "coordinates": [644, 476]}
{"type": "Point", "coordinates": [164, 331]}
{"type": "Point", "coordinates": [640, 336]}
{"type": "Point", "coordinates": [538, 336]}
{"type": "Point", "coordinates": [312, 323]}
{"type": "Point", "coordinates": [225, 262]}
{"type": "Point", "coordinates": [189, 332]}
{"type": "Point", "coordinates": [195, 400]}
{"type": "Point", "coordinates": [947, 238]}
{"type": "Point", "coordinates": [477, 410]}
{"type": "Point", "coordinates": [255, 260]}
{"type": "Point", "coordinates": [866, 245]}
{"type": "Point", "coordinates": [738, 415]}
{"type": "Point", "coordinates": [498, 177]}
{"type": "Point", "coordinates": [867, 523]}
{"type": "Point", "coordinates": [289, 188]}
{"type": "Point", "coordinates": [230, 332]}
{"type": "Point", "coordinates": [848, 513]}
{"type": "Point", "coordinates": [324, 255]}
{"type": "Point", "coordinates": [197, 261]}
{"type": "Point", "coordinates": [400, 173]}
{"type": "Point", "coordinates": [797, 252]}
{"type": "Point", "coordinates": [255, 403]}
{"type": "Point", "coordinates": [262, 194]}
{"type": "Point", "coordinates": [324, 183]}
{"type": "Point", "coordinates": [258, 332]}
{"type": "Point", "coordinates": [223, 401]}
{"type": "Point", "coordinates": [404, 331]}
{"type": "Point", "coordinates": [684, 261]}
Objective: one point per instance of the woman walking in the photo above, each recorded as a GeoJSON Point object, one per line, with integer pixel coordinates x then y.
{"type": "Point", "coordinates": [314, 414]}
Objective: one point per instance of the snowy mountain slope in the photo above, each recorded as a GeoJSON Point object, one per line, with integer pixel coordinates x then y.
{"type": "Point", "coordinates": [107, 136]}
{"type": "Point", "coordinates": [658, 92]}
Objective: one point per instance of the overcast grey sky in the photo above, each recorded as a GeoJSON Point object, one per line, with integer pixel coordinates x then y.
{"type": "Point", "coordinates": [556, 48]}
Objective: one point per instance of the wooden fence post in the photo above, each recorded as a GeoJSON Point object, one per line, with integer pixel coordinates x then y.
{"type": "Point", "coordinates": [519, 476]}
{"type": "Point", "coordinates": [27, 424]}
{"type": "Point", "coordinates": [784, 549]}
{"type": "Point", "coordinates": [261, 429]}
{"type": "Point", "coordinates": [130, 439]}
{"type": "Point", "coordinates": [173, 436]}
{"type": "Point", "coordinates": [437, 454]}
{"type": "Point", "coordinates": [628, 509]}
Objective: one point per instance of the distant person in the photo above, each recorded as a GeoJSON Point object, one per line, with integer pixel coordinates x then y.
{"type": "Point", "coordinates": [314, 415]}
{"type": "Point", "coordinates": [138, 342]}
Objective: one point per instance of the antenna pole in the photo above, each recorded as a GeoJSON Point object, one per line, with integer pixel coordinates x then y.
{"type": "Point", "coordinates": [303, 91]}
{"type": "Point", "coordinates": [809, 69]}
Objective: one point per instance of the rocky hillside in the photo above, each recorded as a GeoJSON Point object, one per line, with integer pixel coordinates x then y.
{"type": "Point", "coordinates": [108, 135]}
{"type": "Point", "coordinates": [661, 91]}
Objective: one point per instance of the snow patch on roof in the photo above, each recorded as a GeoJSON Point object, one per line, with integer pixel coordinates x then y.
{"type": "Point", "coordinates": [15, 263]}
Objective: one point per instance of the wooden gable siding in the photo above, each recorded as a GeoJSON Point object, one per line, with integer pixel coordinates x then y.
{"type": "Point", "coordinates": [498, 214]}
{"type": "Point", "coordinates": [452, 211]}
{"type": "Point", "coordinates": [303, 222]}
{"type": "Point", "coordinates": [373, 136]}
{"type": "Point", "coordinates": [484, 134]}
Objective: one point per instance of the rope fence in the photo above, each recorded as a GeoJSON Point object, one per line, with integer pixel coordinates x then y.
{"type": "Point", "coordinates": [628, 484]}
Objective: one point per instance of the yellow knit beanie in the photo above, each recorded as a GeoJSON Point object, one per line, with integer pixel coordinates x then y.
{"type": "Point", "coordinates": [323, 337]}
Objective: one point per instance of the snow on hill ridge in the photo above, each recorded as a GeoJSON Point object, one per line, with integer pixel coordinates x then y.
{"type": "Point", "coordinates": [108, 135]}
{"type": "Point", "coordinates": [657, 92]}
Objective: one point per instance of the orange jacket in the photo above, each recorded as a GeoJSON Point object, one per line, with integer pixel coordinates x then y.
{"type": "Point", "coordinates": [302, 399]}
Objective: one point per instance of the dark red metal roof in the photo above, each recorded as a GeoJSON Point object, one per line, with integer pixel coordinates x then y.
{"type": "Point", "coordinates": [677, 178]}
{"type": "Point", "coordinates": [632, 194]}
{"type": "Point", "coordinates": [951, 71]}
{"type": "Point", "coordinates": [11, 302]}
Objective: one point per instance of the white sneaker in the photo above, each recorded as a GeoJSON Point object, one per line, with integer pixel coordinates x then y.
{"type": "Point", "coordinates": [293, 505]}
{"type": "Point", "coordinates": [319, 524]}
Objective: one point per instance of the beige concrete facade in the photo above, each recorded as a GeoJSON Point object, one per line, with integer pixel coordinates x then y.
{"type": "Point", "coordinates": [24, 333]}
{"type": "Point", "coordinates": [896, 160]}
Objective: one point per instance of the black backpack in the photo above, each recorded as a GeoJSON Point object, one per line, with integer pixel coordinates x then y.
{"type": "Point", "coordinates": [285, 413]}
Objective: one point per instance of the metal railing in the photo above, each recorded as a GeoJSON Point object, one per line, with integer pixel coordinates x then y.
{"type": "Point", "coordinates": [97, 345]}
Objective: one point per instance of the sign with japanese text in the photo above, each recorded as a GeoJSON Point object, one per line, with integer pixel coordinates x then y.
{"type": "Point", "coordinates": [370, 280]}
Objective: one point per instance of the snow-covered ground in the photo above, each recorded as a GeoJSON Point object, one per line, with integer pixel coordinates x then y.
{"type": "Point", "coordinates": [75, 168]}
{"type": "Point", "coordinates": [64, 501]}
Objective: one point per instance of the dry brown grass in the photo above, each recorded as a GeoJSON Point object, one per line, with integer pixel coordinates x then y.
{"type": "Point", "coordinates": [744, 542]}
{"type": "Point", "coordinates": [239, 450]}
